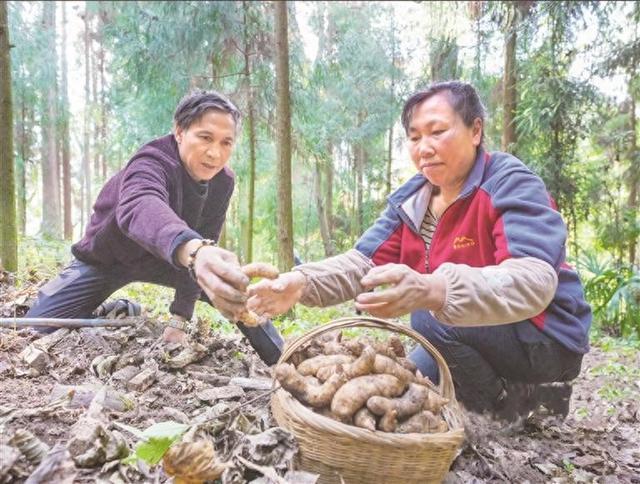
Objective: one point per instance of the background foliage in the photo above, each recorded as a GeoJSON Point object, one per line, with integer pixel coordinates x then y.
{"type": "Point", "coordinates": [352, 64]}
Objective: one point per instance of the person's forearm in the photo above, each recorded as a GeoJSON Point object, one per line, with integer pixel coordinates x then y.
{"type": "Point", "coordinates": [515, 290]}
{"type": "Point", "coordinates": [333, 280]}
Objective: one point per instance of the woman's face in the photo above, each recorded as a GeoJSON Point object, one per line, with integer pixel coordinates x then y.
{"type": "Point", "coordinates": [441, 146]}
{"type": "Point", "coordinates": [206, 145]}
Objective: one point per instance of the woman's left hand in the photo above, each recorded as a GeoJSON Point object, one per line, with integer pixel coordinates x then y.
{"type": "Point", "coordinates": [408, 291]}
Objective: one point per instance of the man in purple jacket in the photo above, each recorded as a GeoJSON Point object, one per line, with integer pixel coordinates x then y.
{"type": "Point", "coordinates": [157, 221]}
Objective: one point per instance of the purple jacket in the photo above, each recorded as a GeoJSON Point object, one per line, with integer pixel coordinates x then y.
{"type": "Point", "coordinates": [150, 207]}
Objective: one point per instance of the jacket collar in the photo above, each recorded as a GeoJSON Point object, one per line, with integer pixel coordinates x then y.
{"type": "Point", "coordinates": [412, 198]}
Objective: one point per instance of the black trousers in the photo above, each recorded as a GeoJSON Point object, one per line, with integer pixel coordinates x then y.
{"type": "Point", "coordinates": [80, 288]}
{"type": "Point", "coordinates": [483, 358]}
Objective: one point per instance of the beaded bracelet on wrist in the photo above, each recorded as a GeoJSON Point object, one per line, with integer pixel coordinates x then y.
{"type": "Point", "coordinates": [191, 261]}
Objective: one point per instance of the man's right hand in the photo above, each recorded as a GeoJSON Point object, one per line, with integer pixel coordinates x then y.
{"type": "Point", "coordinates": [273, 297]}
{"type": "Point", "coordinates": [219, 275]}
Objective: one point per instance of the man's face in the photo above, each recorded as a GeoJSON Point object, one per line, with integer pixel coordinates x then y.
{"type": "Point", "coordinates": [442, 147]}
{"type": "Point", "coordinates": [206, 145]}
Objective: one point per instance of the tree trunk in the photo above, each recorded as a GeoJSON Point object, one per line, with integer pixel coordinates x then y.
{"type": "Point", "coordinates": [325, 233]}
{"type": "Point", "coordinates": [252, 134]}
{"type": "Point", "coordinates": [328, 190]}
{"type": "Point", "coordinates": [634, 178]}
{"type": "Point", "coordinates": [51, 221]}
{"type": "Point", "coordinates": [389, 161]}
{"type": "Point", "coordinates": [24, 148]}
{"type": "Point", "coordinates": [359, 160]}
{"type": "Point", "coordinates": [8, 229]}
{"type": "Point", "coordinates": [64, 135]}
{"type": "Point", "coordinates": [86, 153]}
{"type": "Point", "coordinates": [103, 102]}
{"type": "Point", "coordinates": [509, 81]}
{"type": "Point", "coordinates": [283, 136]}
{"type": "Point", "coordinates": [95, 125]}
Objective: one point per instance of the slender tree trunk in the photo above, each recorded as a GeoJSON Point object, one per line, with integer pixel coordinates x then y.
{"type": "Point", "coordinates": [95, 125]}
{"type": "Point", "coordinates": [283, 136]}
{"type": "Point", "coordinates": [66, 150]}
{"type": "Point", "coordinates": [389, 161]}
{"type": "Point", "coordinates": [51, 221]}
{"type": "Point", "coordinates": [509, 81]}
{"type": "Point", "coordinates": [328, 190]}
{"type": "Point", "coordinates": [103, 100]}
{"type": "Point", "coordinates": [634, 177]}
{"type": "Point", "coordinates": [252, 133]}
{"type": "Point", "coordinates": [8, 229]}
{"type": "Point", "coordinates": [325, 233]}
{"type": "Point", "coordinates": [24, 141]}
{"type": "Point", "coordinates": [86, 153]}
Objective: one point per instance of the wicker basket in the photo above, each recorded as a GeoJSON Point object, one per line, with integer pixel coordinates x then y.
{"type": "Point", "coordinates": [347, 454]}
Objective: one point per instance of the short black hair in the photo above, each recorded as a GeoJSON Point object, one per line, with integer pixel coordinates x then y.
{"type": "Point", "coordinates": [463, 98]}
{"type": "Point", "coordinates": [194, 105]}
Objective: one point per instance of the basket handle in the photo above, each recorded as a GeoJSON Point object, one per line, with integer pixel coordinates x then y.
{"type": "Point", "coordinates": [446, 383]}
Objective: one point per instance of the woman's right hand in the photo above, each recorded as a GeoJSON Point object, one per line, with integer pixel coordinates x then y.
{"type": "Point", "coordinates": [270, 298]}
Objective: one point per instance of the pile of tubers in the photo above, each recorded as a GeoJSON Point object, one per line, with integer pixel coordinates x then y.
{"type": "Point", "coordinates": [365, 383]}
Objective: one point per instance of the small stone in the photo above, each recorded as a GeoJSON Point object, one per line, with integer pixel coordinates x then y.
{"type": "Point", "coordinates": [47, 342]}
{"type": "Point", "coordinates": [166, 379]}
{"type": "Point", "coordinates": [142, 380]}
{"type": "Point", "coordinates": [126, 373]}
{"type": "Point", "coordinates": [103, 365]}
{"type": "Point", "coordinates": [129, 359]}
{"type": "Point", "coordinates": [229, 392]}
{"type": "Point", "coordinates": [35, 358]}
{"type": "Point", "coordinates": [193, 353]}
{"type": "Point", "coordinates": [83, 395]}
{"type": "Point", "coordinates": [177, 415]}
{"type": "Point", "coordinates": [211, 378]}
{"type": "Point", "coordinates": [252, 383]}
{"type": "Point", "coordinates": [10, 455]}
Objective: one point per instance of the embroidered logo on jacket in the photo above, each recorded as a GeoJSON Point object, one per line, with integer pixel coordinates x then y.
{"type": "Point", "coordinates": [462, 242]}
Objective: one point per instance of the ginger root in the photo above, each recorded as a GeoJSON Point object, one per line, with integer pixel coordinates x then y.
{"type": "Point", "coordinates": [193, 462]}
{"type": "Point", "coordinates": [423, 422]}
{"type": "Point", "coordinates": [314, 395]}
{"type": "Point", "coordinates": [256, 269]}
{"type": "Point", "coordinates": [389, 421]}
{"type": "Point", "coordinates": [408, 404]}
{"type": "Point", "coordinates": [364, 419]}
{"type": "Point", "coordinates": [351, 396]}
{"type": "Point", "coordinates": [385, 364]}
{"type": "Point", "coordinates": [363, 365]}
{"type": "Point", "coordinates": [312, 365]}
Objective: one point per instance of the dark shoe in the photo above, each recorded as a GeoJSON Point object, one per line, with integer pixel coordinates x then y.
{"type": "Point", "coordinates": [516, 401]}
{"type": "Point", "coordinates": [555, 398]}
{"type": "Point", "coordinates": [120, 308]}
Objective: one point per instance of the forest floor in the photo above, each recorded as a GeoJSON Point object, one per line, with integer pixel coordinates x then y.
{"type": "Point", "coordinates": [81, 394]}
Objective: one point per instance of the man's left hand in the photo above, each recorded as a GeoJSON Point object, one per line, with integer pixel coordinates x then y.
{"type": "Point", "coordinates": [408, 291]}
